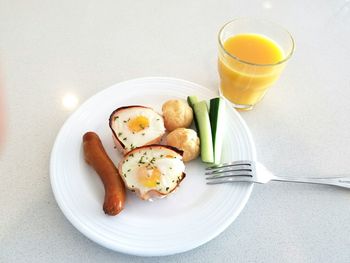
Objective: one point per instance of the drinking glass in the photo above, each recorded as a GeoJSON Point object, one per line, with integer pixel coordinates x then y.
{"type": "Point", "coordinates": [245, 83]}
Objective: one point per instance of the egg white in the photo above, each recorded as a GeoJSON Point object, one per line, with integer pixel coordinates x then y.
{"type": "Point", "coordinates": [171, 169]}
{"type": "Point", "coordinates": [131, 139]}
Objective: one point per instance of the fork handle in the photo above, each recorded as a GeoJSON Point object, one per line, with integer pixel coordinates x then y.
{"type": "Point", "coordinates": [336, 181]}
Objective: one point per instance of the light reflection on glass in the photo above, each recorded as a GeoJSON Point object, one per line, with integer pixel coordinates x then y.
{"type": "Point", "coordinates": [70, 101]}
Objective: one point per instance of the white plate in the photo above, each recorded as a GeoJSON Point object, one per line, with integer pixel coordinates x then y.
{"type": "Point", "coordinates": [190, 217]}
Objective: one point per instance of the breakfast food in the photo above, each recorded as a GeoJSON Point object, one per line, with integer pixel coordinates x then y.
{"type": "Point", "coordinates": [185, 140]}
{"type": "Point", "coordinates": [177, 114]}
{"type": "Point", "coordinates": [210, 124]}
{"type": "Point", "coordinates": [152, 171]}
{"type": "Point", "coordinates": [135, 126]}
{"type": "Point", "coordinates": [191, 100]}
{"type": "Point", "coordinates": [247, 84]}
{"type": "Point", "coordinates": [217, 123]}
{"type": "Point", "coordinates": [149, 169]}
{"type": "Point", "coordinates": [96, 156]}
{"type": "Point", "coordinates": [204, 129]}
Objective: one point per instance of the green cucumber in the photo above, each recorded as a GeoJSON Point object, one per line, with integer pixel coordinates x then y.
{"type": "Point", "coordinates": [217, 122]}
{"type": "Point", "coordinates": [202, 115]}
{"type": "Point", "coordinates": [191, 100]}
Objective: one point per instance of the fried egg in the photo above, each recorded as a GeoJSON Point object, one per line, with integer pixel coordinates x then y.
{"type": "Point", "coordinates": [153, 170]}
{"type": "Point", "coordinates": [135, 126]}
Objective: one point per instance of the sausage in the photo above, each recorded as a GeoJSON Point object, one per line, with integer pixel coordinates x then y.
{"type": "Point", "coordinates": [96, 156]}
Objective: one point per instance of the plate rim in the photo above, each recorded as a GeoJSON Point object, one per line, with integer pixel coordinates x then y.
{"type": "Point", "coordinates": [90, 235]}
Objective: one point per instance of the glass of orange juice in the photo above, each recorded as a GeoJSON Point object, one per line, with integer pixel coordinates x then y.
{"type": "Point", "coordinates": [252, 55]}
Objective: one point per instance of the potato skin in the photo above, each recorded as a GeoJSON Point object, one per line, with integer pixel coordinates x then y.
{"type": "Point", "coordinates": [177, 114]}
{"type": "Point", "coordinates": [185, 140]}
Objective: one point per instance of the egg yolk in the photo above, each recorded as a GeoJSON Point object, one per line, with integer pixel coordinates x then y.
{"type": "Point", "coordinates": [138, 123]}
{"type": "Point", "coordinates": [149, 177]}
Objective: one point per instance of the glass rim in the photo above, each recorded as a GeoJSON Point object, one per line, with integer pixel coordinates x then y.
{"type": "Point", "coordinates": [251, 63]}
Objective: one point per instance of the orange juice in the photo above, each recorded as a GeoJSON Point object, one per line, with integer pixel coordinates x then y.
{"type": "Point", "coordinates": [248, 66]}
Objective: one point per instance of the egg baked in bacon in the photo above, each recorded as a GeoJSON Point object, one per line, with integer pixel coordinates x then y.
{"type": "Point", "coordinates": [152, 171]}
{"type": "Point", "coordinates": [135, 126]}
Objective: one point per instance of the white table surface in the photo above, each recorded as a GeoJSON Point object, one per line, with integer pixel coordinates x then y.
{"type": "Point", "coordinates": [52, 48]}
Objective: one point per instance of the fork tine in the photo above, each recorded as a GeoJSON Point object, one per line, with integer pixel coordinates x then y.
{"type": "Point", "coordinates": [231, 179]}
{"type": "Point", "coordinates": [235, 163]}
{"type": "Point", "coordinates": [242, 167]}
{"type": "Point", "coordinates": [238, 174]}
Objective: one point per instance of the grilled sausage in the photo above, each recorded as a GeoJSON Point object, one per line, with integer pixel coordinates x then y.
{"type": "Point", "coordinates": [96, 156]}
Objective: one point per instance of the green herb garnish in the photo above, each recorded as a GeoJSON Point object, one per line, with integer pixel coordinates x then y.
{"type": "Point", "coordinates": [141, 161]}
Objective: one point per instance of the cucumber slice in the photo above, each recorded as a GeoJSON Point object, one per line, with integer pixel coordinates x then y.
{"type": "Point", "coordinates": [217, 122]}
{"type": "Point", "coordinates": [191, 100]}
{"type": "Point", "coordinates": [202, 116]}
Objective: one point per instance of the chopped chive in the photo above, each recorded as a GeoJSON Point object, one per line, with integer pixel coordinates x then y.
{"type": "Point", "coordinates": [120, 133]}
{"type": "Point", "coordinates": [166, 189]}
{"type": "Point", "coordinates": [124, 139]}
{"type": "Point", "coordinates": [141, 161]}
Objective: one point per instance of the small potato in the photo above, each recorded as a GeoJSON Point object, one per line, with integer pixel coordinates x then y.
{"type": "Point", "coordinates": [185, 140]}
{"type": "Point", "coordinates": [177, 114]}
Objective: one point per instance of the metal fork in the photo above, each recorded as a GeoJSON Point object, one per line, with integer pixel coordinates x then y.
{"type": "Point", "coordinates": [255, 172]}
